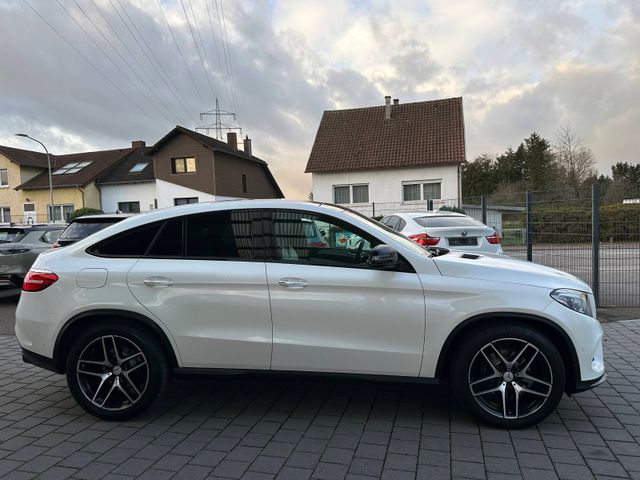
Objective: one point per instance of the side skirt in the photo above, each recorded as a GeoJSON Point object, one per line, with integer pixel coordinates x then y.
{"type": "Point", "coordinates": [185, 371]}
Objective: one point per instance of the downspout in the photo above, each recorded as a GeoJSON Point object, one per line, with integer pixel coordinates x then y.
{"type": "Point", "coordinates": [81, 193]}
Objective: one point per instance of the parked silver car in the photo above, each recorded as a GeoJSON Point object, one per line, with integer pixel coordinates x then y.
{"type": "Point", "coordinates": [86, 225]}
{"type": "Point", "coordinates": [21, 245]}
{"type": "Point", "coordinates": [445, 229]}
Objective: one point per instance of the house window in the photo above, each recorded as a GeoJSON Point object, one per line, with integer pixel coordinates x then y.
{"type": "Point", "coordinates": [185, 200]}
{"type": "Point", "coordinates": [129, 207]}
{"type": "Point", "coordinates": [244, 183]}
{"type": "Point", "coordinates": [416, 191]}
{"type": "Point", "coordinates": [350, 194]}
{"type": "Point", "coordinates": [5, 215]}
{"type": "Point", "coordinates": [183, 165]}
{"type": "Point", "coordinates": [61, 213]}
{"type": "Point", "coordinates": [4, 177]}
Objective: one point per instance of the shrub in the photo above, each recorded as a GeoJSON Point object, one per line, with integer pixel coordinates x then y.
{"type": "Point", "coordinates": [452, 209]}
{"type": "Point", "coordinates": [618, 223]}
{"type": "Point", "coordinates": [81, 212]}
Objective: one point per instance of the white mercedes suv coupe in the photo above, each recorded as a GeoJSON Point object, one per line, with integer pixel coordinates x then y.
{"type": "Point", "coordinates": [275, 285]}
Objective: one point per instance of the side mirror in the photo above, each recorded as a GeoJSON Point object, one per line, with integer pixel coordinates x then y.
{"type": "Point", "coordinates": [383, 257]}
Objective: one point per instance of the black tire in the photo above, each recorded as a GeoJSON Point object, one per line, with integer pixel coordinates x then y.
{"type": "Point", "coordinates": [473, 378]}
{"type": "Point", "coordinates": [137, 384]}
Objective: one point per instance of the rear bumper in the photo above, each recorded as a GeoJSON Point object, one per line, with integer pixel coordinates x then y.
{"type": "Point", "coordinates": [39, 360]}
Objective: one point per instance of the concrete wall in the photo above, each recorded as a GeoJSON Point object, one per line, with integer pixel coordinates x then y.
{"type": "Point", "coordinates": [386, 185]}
{"type": "Point", "coordinates": [145, 193]}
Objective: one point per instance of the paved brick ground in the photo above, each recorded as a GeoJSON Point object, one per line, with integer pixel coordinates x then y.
{"type": "Point", "coordinates": [298, 428]}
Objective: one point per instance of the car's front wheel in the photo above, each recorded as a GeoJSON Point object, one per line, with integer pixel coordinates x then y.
{"type": "Point", "coordinates": [510, 376]}
{"type": "Point", "coordinates": [115, 371]}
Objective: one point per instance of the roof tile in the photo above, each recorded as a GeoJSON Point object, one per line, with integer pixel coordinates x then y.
{"type": "Point", "coordinates": [418, 134]}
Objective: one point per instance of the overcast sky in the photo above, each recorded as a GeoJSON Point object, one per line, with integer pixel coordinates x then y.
{"type": "Point", "coordinates": [519, 66]}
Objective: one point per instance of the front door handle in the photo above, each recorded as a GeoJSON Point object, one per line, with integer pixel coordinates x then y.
{"type": "Point", "coordinates": [158, 282]}
{"type": "Point", "coordinates": [293, 282]}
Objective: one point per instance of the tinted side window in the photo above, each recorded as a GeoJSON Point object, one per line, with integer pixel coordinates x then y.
{"type": "Point", "coordinates": [304, 237]}
{"type": "Point", "coordinates": [168, 243]}
{"type": "Point", "coordinates": [401, 224]}
{"type": "Point", "coordinates": [132, 243]}
{"type": "Point", "coordinates": [393, 222]}
{"type": "Point", "coordinates": [221, 235]}
{"type": "Point", "coordinates": [51, 236]}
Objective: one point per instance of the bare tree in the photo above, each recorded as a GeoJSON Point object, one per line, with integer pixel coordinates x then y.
{"type": "Point", "coordinates": [574, 158]}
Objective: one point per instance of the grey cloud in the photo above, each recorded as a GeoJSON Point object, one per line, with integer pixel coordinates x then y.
{"type": "Point", "coordinates": [601, 103]}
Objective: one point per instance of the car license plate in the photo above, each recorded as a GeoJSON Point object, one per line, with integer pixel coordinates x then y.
{"type": "Point", "coordinates": [463, 242]}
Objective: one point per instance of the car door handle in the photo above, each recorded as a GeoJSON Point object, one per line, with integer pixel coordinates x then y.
{"type": "Point", "coordinates": [293, 282]}
{"type": "Point", "coordinates": [158, 282]}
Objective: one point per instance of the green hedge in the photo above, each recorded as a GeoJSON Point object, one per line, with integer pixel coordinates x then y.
{"type": "Point", "coordinates": [81, 212]}
{"type": "Point", "coordinates": [618, 223]}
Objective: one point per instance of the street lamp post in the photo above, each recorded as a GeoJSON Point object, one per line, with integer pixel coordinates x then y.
{"type": "Point", "coordinates": [51, 215]}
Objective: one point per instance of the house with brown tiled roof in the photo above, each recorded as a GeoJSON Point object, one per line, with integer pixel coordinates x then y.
{"type": "Point", "coordinates": [407, 153]}
{"type": "Point", "coordinates": [185, 166]}
{"type": "Point", "coordinates": [24, 183]}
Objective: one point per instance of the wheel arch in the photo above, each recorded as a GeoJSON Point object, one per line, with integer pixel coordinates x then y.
{"type": "Point", "coordinates": [550, 329]}
{"type": "Point", "coordinates": [93, 317]}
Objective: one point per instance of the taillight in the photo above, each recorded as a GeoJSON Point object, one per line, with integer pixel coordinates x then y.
{"type": "Point", "coordinates": [494, 239]}
{"type": "Point", "coordinates": [37, 280]}
{"type": "Point", "coordinates": [424, 239]}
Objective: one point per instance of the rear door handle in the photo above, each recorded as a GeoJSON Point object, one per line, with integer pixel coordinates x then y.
{"type": "Point", "coordinates": [158, 282]}
{"type": "Point", "coordinates": [293, 282]}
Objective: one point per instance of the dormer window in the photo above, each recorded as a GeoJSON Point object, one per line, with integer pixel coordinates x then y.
{"type": "Point", "coordinates": [71, 168]}
{"type": "Point", "coordinates": [138, 167]}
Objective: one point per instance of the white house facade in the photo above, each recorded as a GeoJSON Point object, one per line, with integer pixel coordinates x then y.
{"type": "Point", "coordinates": [396, 157]}
{"type": "Point", "coordinates": [386, 186]}
{"type": "Point", "coordinates": [121, 197]}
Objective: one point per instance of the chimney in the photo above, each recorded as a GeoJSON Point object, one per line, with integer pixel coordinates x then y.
{"type": "Point", "coordinates": [387, 107]}
{"type": "Point", "coordinates": [247, 145]}
{"type": "Point", "coordinates": [232, 140]}
{"type": "Point", "coordinates": [396, 101]}
{"type": "Point", "coordinates": [138, 144]}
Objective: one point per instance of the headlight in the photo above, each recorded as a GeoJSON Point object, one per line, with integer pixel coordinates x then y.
{"type": "Point", "coordinates": [574, 299]}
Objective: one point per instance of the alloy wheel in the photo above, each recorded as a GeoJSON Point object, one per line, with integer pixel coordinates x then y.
{"type": "Point", "coordinates": [113, 372]}
{"type": "Point", "coordinates": [510, 378]}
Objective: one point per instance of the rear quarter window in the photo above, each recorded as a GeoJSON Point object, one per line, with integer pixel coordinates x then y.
{"type": "Point", "coordinates": [131, 243]}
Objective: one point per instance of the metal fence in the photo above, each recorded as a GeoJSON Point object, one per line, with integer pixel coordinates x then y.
{"type": "Point", "coordinates": [596, 239]}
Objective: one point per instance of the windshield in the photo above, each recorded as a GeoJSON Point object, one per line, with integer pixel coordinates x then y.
{"type": "Point", "coordinates": [79, 230]}
{"type": "Point", "coordinates": [398, 237]}
{"type": "Point", "coordinates": [450, 221]}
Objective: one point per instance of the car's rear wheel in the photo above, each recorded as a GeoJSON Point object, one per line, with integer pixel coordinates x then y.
{"type": "Point", "coordinates": [508, 376]}
{"type": "Point", "coordinates": [115, 371]}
